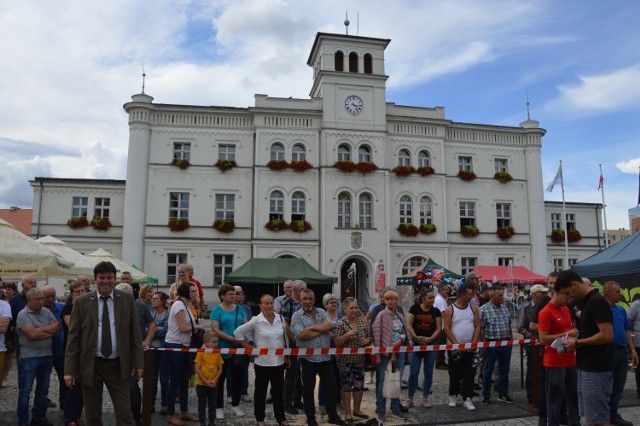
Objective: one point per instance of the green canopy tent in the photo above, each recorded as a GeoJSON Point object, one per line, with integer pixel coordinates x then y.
{"type": "Point", "coordinates": [260, 276]}
{"type": "Point", "coordinates": [432, 272]}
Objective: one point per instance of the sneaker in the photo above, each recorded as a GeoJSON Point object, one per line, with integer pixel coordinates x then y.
{"type": "Point", "coordinates": [452, 400]}
{"type": "Point", "coordinates": [468, 404]}
{"type": "Point", "coordinates": [382, 417]}
{"type": "Point", "coordinates": [506, 398]}
{"type": "Point", "coordinates": [246, 398]}
{"type": "Point", "coordinates": [220, 413]}
{"type": "Point", "coordinates": [400, 415]}
{"type": "Point", "coordinates": [425, 402]}
{"type": "Point", "coordinates": [290, 409]}
{"type": "Point", "coordinates": [485, 400]}
{"type": "Point", "coordinates": [237, 411]}
{"type": "Point", "coordinates": [408, 403]}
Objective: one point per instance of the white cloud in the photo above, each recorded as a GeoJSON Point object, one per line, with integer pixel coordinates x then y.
{"type": "Point", "coordinates": [631, 166]}
{"type": "Point", "coordinates": [610, 91]}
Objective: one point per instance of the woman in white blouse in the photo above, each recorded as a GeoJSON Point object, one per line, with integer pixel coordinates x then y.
{"type": "Point", "coordinates": [268, 330]}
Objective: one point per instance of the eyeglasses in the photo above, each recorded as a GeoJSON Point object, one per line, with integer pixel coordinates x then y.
{"type": "Point", "coordinates": [239, 292]}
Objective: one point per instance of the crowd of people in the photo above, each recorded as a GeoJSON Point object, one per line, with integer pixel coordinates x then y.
{"type": "Point", "coordinates": [97, 337]}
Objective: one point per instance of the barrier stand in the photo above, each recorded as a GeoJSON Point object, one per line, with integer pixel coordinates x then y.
{"type": "Point", "coordinates": [147, 379]}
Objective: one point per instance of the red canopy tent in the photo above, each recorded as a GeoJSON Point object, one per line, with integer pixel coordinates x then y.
{"type": "Point", "coordinates": [507, 275]}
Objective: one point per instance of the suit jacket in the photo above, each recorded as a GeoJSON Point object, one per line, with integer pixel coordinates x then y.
{"type": "Point", "coordinates": [83, 336]}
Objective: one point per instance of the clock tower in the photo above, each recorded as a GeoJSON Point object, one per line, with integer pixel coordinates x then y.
{"type": "Point", "coordinates": [349, 77]}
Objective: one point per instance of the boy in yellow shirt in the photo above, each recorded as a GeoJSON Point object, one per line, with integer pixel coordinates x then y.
{"type": "Point", "coordinates": [208, 372]}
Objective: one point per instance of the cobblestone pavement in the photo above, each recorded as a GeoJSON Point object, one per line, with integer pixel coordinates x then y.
{"type": "Point", "coordinates": [496, 413]}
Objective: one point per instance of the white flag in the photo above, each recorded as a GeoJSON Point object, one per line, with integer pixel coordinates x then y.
{"type": "Point", "coordinates": [557, 180]}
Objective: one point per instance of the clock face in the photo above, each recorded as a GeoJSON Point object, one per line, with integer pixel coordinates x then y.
{"type": "Point", "coordinates": [353, 105]}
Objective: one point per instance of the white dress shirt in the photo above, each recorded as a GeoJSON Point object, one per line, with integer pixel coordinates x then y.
{"type": "Point", "coordinates": [265, 335]}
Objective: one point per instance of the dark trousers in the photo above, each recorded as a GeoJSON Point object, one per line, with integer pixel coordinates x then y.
{"type": "Point", "coordinates": [207, 397]}
{"type": "Point", "coordinates": [136, 400]}
{"type": "Point", "coordinates": [620, 362]}
{"type": "Point", "coordinates": [230, 370]}
{"type": "Point", "coordinates": [461, 374]}
{"type": "Point", "coordinates": [562, 384]}
{"type": "Point", "coordinates": [58, 366]}
{"type": "Point", "coordinates": [638, 374]}
{"type": "Point", "coordinates": [160, 372]}
{"type": "Point", "coordinates": [441, 340]}
{"type": "Point", "coordinates": [107, 373]}
{"type": "Point", "coordinates": [542, 387]}
{"type": "Point", "coordinates": [292, 383]}
{"type": "Point", "coordinates": [264, 376]}
{"type": "Point", "coordinates": [309, 371]}
{"type": "Point", "coordinates": [501, 354]}
{"type": "Point", "coordinates": [73, 404]}
{"type": "Point", "coordinates": [528, 381]}
{"type": "Point", "coordinates": [179, 375]}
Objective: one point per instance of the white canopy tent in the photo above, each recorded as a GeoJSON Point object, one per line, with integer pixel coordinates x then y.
{"type": "Point", "coordinates": [82, 265]}
{"type": "Point", "coordinates": [20, 255]}
{"type": "Point", "coordinates": [102, 255]}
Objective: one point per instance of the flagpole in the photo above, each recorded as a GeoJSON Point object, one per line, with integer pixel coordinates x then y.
{"type": "Point", "coordinates": [564, 224]}
{"type": "Point", "coordinates": [604, 211]}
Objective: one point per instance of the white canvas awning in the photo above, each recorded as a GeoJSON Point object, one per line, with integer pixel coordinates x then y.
{"type": "Point", "coordinates": [102, 255]}
{"type": "Point", "coordinates": [82, 265]}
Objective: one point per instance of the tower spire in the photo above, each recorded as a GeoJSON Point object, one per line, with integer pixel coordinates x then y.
{"type": "Point", "coordinates": [346, 22]}
{"type": "Point", "coordinates": [143, 76]}
{"type": "Point", "coordinates": [528, 115]}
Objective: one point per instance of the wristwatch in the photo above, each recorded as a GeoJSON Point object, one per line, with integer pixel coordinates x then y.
{"type": "Point", "coordinates": [577, 343]}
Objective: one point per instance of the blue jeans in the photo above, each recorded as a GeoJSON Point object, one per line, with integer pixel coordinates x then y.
{"type": "Point", "coordinates": [179, 375]}
{"type": "Point", "coordinates": [160, 371]}
{"type": "Point", "coordinates": [381, 402]}
{"type": "Point", "coordinates": [562, 384]}
{"type": "Point", "coordinates": [38, 368]}
{"type": "Point", "coordinates": [416, 359]}
{"type": "Point", "coordinates": [620, 361]}
{"type": "Point", "coordinates": [503, 355]}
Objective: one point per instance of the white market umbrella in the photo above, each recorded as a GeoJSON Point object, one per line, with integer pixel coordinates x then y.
{"type": "Point", "coordinates": [102, 255]}
{"type": "Point", "coordinates": [20, 255]}
{"type": "Point", "coordinates": [82, 265]}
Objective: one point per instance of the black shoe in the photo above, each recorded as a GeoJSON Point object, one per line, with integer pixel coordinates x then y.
{"type": "Point", "coordinates": [485, 400]}
{"type": "Point", "coordinates": [290, 409]}
{"type": "Point", "coordinates": [542, 421]}
{"type": "Point", "coordinates": [403, 409]}
{"type": "Point", "coordinates": [269, 400]}
{"type": "Point", "coordinates": [335, 420]}
{"type": "Point", "coordinates": [40, 422]}
{"type": "Point", "coordinates": [506, 398]}
{"type": "Point", "coordinates": [619, 421]}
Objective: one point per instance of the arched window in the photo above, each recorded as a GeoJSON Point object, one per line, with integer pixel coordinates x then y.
{"type": "Point", "coordinates": [353, 62]}
{"type": "Point", "coordinates": [404, 158]}
{"type": "Point", "coordinates": [287, 256]}
{"type": "Point", "coordinates": [276, 205]}
{"type": "Point", "coordinates": [364, 154]}
{"type": "Point", "coordinates": [344, 153]}
{"type": "Point", "coordinates": [424, 159]}
{"type": "Point", "coordinates": [298, 153]}
{"type": "Point", "coordinates": [368, 63]}
{"type": "Point", "coordinates": [277, 152]}
{"type": "Point", "coordinates": [426, 210]}
{"type": "Point", "coordinates": [365, 211]}
{"type": "Point", "coordinates": [406, 209]}
{"type": "Point", "coordinates": [412, 264]}
{"type": "Point", "coordinates": [344, 210]}
{"type": "Point", "coordinates": [339, 61]}
{"type": "Point", "coordinates": [298, 206]}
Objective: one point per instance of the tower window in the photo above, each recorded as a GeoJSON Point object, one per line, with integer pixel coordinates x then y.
{"type": "Point", "coordinates": [353, 62]}
{"type": "Point", "coordinates": [368, 63]}
{"type": "Point", "coordinates": [339, 61]}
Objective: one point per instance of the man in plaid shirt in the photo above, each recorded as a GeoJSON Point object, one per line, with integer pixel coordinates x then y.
{"type": "Point", "coordinates": [495, 322]}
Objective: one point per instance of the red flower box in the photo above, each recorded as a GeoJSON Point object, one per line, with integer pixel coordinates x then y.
{"type": "Point", "coordinates": [178, 225]}
{"type": "Point", "coordinates": [403, 171]}
{"type": "Point", "coordinates": [301, 166]}
{"type": "Point", "coordinates": [225, 165]}
{"type": "Point", "coordinates": [277, 165]}
{"type": "Point", "coordinates": [408, 229]}
{"type": "Point", "coordinates": [100, 224]}
{"type": "Point", "coordinates": [505, 232]}
{"type": "Point", "coordinates": [224, 225]}
{"type": "Point", "coordinates": [425, 171]}
{"type": "Point", "coordinates": [77, 222]}
{"type": "Point", "coordinates": [366, 167]}
{"type": "Point", "coordinates": [300, 226]}
{"type": "Point", "coordinates": [345, 166]}
{"type": "Point", "coordinates": [467, 175]}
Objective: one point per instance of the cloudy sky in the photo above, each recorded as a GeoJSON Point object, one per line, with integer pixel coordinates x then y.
{"type": "Point", "coordinates": [68, 67]}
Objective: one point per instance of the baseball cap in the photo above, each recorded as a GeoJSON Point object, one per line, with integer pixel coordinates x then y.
{"type": "Point", "coordinates": [539, 287]}
{"type": "Point", "coordinates": [485, 286]}
{"type": "Point", "coordinates": [471, 276]}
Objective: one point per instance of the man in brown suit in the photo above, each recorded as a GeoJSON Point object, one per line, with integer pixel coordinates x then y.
{"type": "Point", "coordinates": [108, 354]}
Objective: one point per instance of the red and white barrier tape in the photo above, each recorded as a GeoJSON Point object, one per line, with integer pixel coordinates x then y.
{"type": "Point", "coordinates": [353, 351]}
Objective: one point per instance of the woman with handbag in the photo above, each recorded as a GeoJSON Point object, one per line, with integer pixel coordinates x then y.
{"type": "Point", "coordinates": [180, 329]}
{"type": "Point", "coordinates": [352, 331]}
{"type": "Point", "coordinates": [424, 324]}
{"type": "Point", "coordinates": [268, 331]}
{"type": "Point", "coordinates": [225, 318]}
{"type": "Point", "coordinates": [389, 329]}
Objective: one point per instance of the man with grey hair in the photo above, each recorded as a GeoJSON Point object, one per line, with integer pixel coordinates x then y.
{"type": "Point", "coordinates": [292, 381]}
{"type": "Point", "coordinates": [287, 291]}
{"type": "Point", "coordinates": [18, 303]}
{"type": "Point", "coordinates": [36, 326]}
{"type": "Point", "coordinates": [126, 277]}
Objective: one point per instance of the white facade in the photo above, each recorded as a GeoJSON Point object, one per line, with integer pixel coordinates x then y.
{"type": "Point", "coordinates": [353, 216]}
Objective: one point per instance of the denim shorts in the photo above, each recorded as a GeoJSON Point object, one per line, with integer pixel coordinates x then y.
{"type": "Point", "coordinates": [594, 392]}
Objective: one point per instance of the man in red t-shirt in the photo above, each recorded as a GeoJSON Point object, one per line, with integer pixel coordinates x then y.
{"type": "Point", "coordinates": [555, 322]}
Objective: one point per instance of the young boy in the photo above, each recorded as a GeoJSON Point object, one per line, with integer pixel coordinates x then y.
{"type": "Point", "coordinates": [208, 372]}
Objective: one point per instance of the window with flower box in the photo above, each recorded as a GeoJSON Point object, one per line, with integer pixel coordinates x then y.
{"type": "Point", "coordinates": [468, 264]}
{"type": "Point", "coordinates": [173, 261]}
{"type": "Point", "coordinates": [277, 152]}
{"type": "Point", "coordinates": [276, 206]}
{"type": "Point", "coordinates": [222, 266]}
{"type": "Point", "coordinates": [501, 165]}
{"type": "Point", "coordinates": [298, 206]}
{"type": "Point", "coordinates": [465, 164]}
{"type": "Point", "coordinates": [178, 205]}
{"type": "Point", "coordinates": [364, 154]}
{"type": "Point", "coordinates": [298, 153]}
{"type": "Point", "coordinates": [467, 213]}
{"type": "Point", "coordinates": [424, 159]}
{"type": "Point", "coordinates": [344, 153]}
{"type": "Point", "coordinates": [226, 152]}
{"type": "Point", "coordinates": [225, 206]}
{"type": "Point", "coordinates": [101, 208]}
{"type": "Point", "coordinates": [556, 221]}
{"type": "Point", "coordinates": [344, 210]}
{"type": "Point", "coordinates": [365, 211]}
{"type": "Point", "coordinates": [571, 222]}
{"type": "Point", "coordinates": [406, 209]}
{"type": "Point", "coordinates": [503, 214]}
{"type": "Point", "coordinates": [79, 207]}
{"type": "Point", "coordinates": [404, 158]}
{"type": "Point", "coordinates": [426, 210]}
{"type": "Point", "coordinates": [182, 151]}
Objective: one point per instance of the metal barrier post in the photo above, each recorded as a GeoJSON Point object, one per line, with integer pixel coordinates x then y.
{"type": "Point", "coordinates": [147, 379]}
